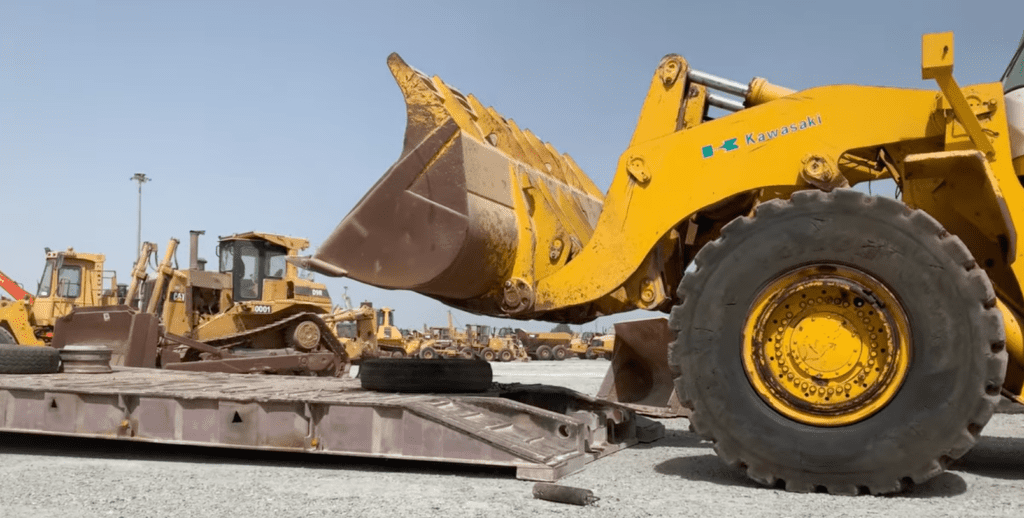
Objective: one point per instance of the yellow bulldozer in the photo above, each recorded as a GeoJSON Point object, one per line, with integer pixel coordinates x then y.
{"type": "Point", "coordinates": [822, 338]}
{"type": "Point", "coordinates": [70, 279]}
{"type": "Point", "coordinates": [254, 314]}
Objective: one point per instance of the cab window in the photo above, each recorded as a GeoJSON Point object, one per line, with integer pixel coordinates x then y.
{"type": "Point", "coordinates": [227, 259]}
{"type": "Point", "coordinates": [46, 283]}
{"type": "Point", "coordinates": [247, 273]}
{"type": "Point", "coordinates": [275, 264]}
{"type": "Point", "coordinates": [1013, 78]}
{"type": "Point", "coordinates": [69, 282]}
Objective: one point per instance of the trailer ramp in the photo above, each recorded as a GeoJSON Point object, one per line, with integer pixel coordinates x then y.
{"type": "Point", "coordinates": [544, 432]}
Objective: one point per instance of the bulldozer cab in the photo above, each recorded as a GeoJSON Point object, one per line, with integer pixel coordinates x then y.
{"type": "Point", "coordinates": [250, 262]}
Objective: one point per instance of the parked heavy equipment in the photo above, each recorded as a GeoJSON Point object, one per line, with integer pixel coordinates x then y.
{"type": "Point", "coordinates": [490, 346]}
{"type": "Point", "coordinates": [356, 330]}
{"type": "Point", "coordinates": [546, 346]}
{"type": "Point", "coordinates": [70, 279]}
{"type": "Point", "coordinates": [390, 339]}
{"type": "Point", "coordinates": [256, 314]}
{"type": "Point", "coordinates": [590, 345]}
{"type": "Point", "coordinates": [821, 337]}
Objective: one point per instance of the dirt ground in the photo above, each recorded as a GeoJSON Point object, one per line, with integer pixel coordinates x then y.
{"type": "Point", "coordinates": [44, 477]}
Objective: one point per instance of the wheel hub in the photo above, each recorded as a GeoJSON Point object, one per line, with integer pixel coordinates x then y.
{"type": "Point", "coordinates": [826, 345]}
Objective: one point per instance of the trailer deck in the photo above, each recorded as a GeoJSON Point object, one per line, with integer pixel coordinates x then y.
{"type": "Point", "coordinates": [543, 432]}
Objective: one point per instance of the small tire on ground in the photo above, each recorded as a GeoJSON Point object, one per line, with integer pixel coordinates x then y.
{"type": "Point", "coordinates": [419, 375]}
{"type": "Point", "coordinates": [957, 354]}
{"type": "Point", "coordinates": [544, 353]}
{"type": "Point", "coordinates": [28, 359]}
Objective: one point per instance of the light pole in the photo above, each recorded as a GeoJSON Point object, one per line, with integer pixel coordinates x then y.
{"type": "Point", "coordinates": [141, 178]}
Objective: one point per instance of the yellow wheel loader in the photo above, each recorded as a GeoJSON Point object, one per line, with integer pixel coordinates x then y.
{"type": "Point", "coordinates": [70, 279]}
{"type": "Point", "coordinates": [821, 337]}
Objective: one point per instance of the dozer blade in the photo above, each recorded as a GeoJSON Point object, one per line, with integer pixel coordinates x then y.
{"type": "Point", "coordinates": [133, 337]}
{"type": "Point", "coordinates": [639, 377]}
{"type": "Point", "coordinates": [443, 220]}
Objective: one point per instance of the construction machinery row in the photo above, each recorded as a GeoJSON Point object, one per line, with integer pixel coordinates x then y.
{"type": "Point", "coordinates": [822, 338]}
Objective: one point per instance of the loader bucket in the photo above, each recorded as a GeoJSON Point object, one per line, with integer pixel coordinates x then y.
{"type": "Point", "coordinates": [639, 376]}
{"type": "Point", "coordinates": [443, 220]}
{"type": "Point", "coordinates": [132, 336]}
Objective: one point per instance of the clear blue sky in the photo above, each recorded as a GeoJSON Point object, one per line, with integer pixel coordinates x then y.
{"type": "Point", "coordinates": [279, 116]}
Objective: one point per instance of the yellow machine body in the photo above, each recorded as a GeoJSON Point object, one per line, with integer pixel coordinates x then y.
{"type": "Point", "coordinates": [826, 344]}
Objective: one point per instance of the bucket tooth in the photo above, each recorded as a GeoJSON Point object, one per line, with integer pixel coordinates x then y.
{"type": "Point", "coordinates": [424, 106]}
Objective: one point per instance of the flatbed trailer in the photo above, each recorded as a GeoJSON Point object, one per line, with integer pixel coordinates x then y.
{"type": "Point", "coordinates": [544, 432]}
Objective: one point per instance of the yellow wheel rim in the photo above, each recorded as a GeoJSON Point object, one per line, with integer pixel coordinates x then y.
{"type": "Point", "coordinates": [826, 345]}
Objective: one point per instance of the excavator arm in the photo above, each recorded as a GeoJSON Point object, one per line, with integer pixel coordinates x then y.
{"type": "Point", "coordinates": [14, 289]}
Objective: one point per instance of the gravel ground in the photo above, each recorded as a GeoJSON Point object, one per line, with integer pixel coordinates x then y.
{"type": "Point", "coordinates": [43, 477]}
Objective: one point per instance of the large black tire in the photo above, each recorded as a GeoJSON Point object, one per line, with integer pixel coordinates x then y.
{"type": "Point", "coordinates": [592, 353]}
{"type": "Point", "coordinates": [956, 363]}
{"type": "Point", "coordinates": [506, 355]}
{"type": "Point", "coordinates": [428, 353]}
{"type": "Point", "coordinates": [28, 359]}
{"type": "Point", "coordinates": [419, 375]}
{"type": "Point", "coordinates": [6, 337]}
{"type": "Point", "coordinates": [559, 353]}
{"type": "Point", "coordinates": [487, 355]}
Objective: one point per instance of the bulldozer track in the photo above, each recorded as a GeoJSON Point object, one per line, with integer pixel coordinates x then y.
{"type": "Point", "coordinates": [326, 336]}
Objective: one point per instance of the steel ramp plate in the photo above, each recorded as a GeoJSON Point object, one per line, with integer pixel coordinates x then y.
{"type": "Point", "coordinates": [544, 432]}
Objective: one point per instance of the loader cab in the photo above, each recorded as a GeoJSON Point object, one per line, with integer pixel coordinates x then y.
{"type": "Point", "coordinates": [68, 283]}
{"type": "Point", "coordinates": [72, 279]}
{"type": "Point", "coordinates": [250, 262]}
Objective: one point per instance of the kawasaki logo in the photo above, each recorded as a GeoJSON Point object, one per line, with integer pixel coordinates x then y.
{"type": "Point", "coordinates": [755, 138]}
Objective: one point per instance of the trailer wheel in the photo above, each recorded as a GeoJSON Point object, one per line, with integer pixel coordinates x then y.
{"type": "Point", "coordinates": [544, 353]}
{"type": "Point", "coordinates": [428, 353]}
{"type": "Point", "coordinates": [840, 342]}
{"type": "Point", "coordinates": [28, 359]}
{"type": "Point", "coordinates": [419, 375]}
{"type": "Point", "coordinates": [506, 355]}
{"type": "Point", "coordinates": [558, 353]}
{"type": "Point", "coordinates": [6, 337]}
